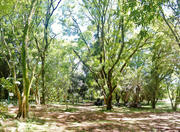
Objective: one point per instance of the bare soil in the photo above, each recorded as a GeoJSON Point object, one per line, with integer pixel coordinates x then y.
{"type": "Point", "coordinates": [55, 118]}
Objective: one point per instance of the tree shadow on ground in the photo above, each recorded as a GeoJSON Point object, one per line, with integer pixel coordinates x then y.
{"type": "Point", "coordinates": [146, 121]}
{"type": "Point", "coordinates": [101, 127]}
{"type": "Point", "coordinates": [83, 119]}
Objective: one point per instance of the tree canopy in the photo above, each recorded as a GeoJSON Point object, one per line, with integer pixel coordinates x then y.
{"type": "Point", "coordinates": [112, 50]}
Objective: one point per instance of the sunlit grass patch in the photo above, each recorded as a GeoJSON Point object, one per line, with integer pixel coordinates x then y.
{"type": "Point", "coordinates": [161, 106]}
{"type": "Point", "coordinates": [71, 110]}
{"type": "Point", "coordinates": [31, 126]}
{"type": "Point", "coordinates": [55, 110]}
{"type": "Point", "coordinates": [62, 109]}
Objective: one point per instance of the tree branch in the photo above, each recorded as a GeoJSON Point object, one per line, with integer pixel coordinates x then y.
{"type": "Point", "coordinates": [83, 38]}
{"type": "Point", "coordinates": [82, 61]}
{"type": "Point", "coordinates": [121, 49]}
{"type": "Point", "coordinates": [137, 47]}
{"type": "Point", "coordinates": [173, 32]}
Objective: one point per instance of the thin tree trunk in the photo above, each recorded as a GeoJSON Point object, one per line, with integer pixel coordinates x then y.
{"type": "Point", "coordinates": [37, 97]}
{"type": "Point", "coordinates": [43, 81]}
{"type": "Point", "coordinates": [117, 98]}
{"type": "Point", "coordinates": [153, 102]}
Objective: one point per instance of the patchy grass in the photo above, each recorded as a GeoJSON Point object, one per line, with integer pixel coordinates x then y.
{"type": "Point", "coordinates": [86, 117]}
{"type": "Point", "coordinates": [71, 110]}
{"type": "Point", "coordinates": [5, 115]}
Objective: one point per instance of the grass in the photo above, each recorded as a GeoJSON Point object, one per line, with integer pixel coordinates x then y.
{"type": "Point", "coordinates": [36, 120]}
{"type": "Point", "coordinates": [161, 106]}
{"type": "Point", "coordinates": [71, 110]}
{"type": "Point", "coordinates": [5, 115]}
{"type": "Point", "coordinates": [146, 109]}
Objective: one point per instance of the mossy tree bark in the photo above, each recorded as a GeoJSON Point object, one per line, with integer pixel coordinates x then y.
{"type": "Point", "coordinates": [27, 82]}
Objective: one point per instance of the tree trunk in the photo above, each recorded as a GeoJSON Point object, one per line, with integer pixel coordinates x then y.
{"type": "Point", "coordinates": [109, 102]}
{"type": "Point", "coordinates": [117, 98]}
{"type": "Point", "coordinates": [125, 97]}
{"type": "Point", "coordinates": [37, 97]}
{"type": "Point", "coordinates": [23, 107]}
{"type": "Point", "coordinates": [174, 103]}
{"type": "Point", "coordinates": [24, 100]}
{"type": "Point", "coordinates": [43, 80]}
{"type": "Point", "coordinates": [72, 99]}
{"type": "Point", "coordinates": [153, 102]}
{"type": "Point", "coordinates": [137, 100]}
{"type": "Point", "coordinates": [148, 102]}
{"type": "Point", "coordinates": [177, 100]}
{"type": "Point", "coordinates": [154, 95]}
{"type": "Point", "coordinates": [174, 108]}
{"type": "Point", "coordinates": [19, 103]}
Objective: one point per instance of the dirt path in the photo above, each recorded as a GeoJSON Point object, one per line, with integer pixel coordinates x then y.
{"type": "Point", "coordinates": [89, 118]}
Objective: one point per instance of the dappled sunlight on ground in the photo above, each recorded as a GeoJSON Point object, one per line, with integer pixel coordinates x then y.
{"type": "Point", "coordinates": [89, 118]}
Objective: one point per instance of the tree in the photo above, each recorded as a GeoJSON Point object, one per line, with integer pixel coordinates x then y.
{"type": "Point", "coordinates": [27, 82]}
{"type": "Point", "coordinates": [6, 6]}
{"type": "Point", "coordinates": [172, 20]}
{"type": "Point", "coordinates": [113, 45]}
{"type": "Point", "coordinates": [173, 90]}
{"type": "Point", "coordinates": [15, 42]}
{"type": "Point", "coordinates": [160, 68]}
{"type": "Point", "coordinates": [51, 6]}
{"type": "Point", "coordinates": [172, 81]}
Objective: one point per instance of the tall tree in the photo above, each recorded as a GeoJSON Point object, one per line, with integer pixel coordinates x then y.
{"type": "Point", "coordinates": [160, 68]}
{"type": "Point", "coordinates": [16, 41]}
{"type": "Point", "coordinates": [114, 43]}
{"type": "Point", "coordinates": [51, 6]}
{"type": "Point", "coordinates": [173, 19]}
{"type": "Point", "coordinates": [27, 82]}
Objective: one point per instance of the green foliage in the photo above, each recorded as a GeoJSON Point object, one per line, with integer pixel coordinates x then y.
{"type": "Point", "coordinates": [106, 48]}
{"type": "Point", "coordinates": [7, 84]}
{"type": "Point", "coordinates": [3, 108]}
{"type": "Point", "coordinates": [6, 6]}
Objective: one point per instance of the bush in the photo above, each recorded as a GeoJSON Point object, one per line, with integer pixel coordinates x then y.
{"type": "Point", "coordinates": [3, 109]}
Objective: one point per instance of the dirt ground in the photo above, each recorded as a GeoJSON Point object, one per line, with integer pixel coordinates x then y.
{"type": "Point", "coordinates": [81, 118]}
